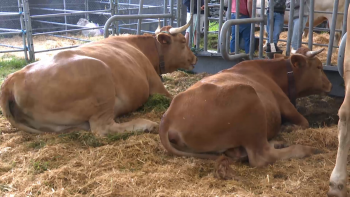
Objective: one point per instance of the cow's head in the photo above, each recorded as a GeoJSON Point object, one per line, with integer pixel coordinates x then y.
{"type": "Point", "coordinates": [173, 46]}
{"type": "Point", "coordinates": [308, 71]}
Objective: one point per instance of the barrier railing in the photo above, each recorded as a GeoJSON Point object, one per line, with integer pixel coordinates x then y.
{"type": "Point", "coordinates": [16, 31]}
{"type": "Point", "coordinates": [171, 14]}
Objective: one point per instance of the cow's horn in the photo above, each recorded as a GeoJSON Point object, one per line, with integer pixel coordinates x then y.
{"type": "Point", "coordinates": [313, 53]}
{"type": "Point", "coordinates": [158, 29]}
{"type": "Point", "coordinates": [176, 30]}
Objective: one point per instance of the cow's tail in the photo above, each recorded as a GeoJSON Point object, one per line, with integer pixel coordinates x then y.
{"type": "Point", "coordinates": [7, 102]}
{"type": "Point", "coordinates": [164, 138]}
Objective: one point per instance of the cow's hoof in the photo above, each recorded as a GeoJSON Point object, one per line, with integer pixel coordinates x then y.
{"type": "Point", "coordinates": [223, 169]}
{"type": "Point", "coordinates": [336, 190]}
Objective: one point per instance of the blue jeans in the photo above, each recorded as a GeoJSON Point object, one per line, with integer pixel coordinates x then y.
{"type": "Point", "coordinates": [244, 31]}
{"type": "Point", "coordinates": [278, 21]}
{"type": "Point", "coordinates": [296, 30]}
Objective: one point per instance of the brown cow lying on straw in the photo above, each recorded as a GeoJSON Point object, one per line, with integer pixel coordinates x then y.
{"type": "Point", "coordinates": [87, 87]}
{"type": "Point", "coordinates": [238, 110]}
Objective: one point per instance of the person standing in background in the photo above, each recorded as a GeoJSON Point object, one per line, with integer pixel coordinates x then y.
{"type": "Point", "coordinates": [297, 20]}
{"type": "Point", "coordinates": [279, 8]}
{"type": "Point", "coordinates": [187, 3]}
{"type": "Point", "coordinates": [245, 11]}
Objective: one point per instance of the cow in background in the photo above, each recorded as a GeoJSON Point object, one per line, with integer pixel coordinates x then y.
{"type": "Point", "coordinates": [89, 86]}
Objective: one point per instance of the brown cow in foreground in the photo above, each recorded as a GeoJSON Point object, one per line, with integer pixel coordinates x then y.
{"type": "Point", "coordinates": [238, 110]}
{"type": "Point", "coordinates": [87, 87]}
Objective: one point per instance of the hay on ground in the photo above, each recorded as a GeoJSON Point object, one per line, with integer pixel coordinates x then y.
{"type": "Point", "coordinates": [79, 164]}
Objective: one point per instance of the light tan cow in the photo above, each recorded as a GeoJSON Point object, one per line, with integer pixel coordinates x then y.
{"type": "Point", "coordinates": [87, 87]}
{"type": "Point", "coordinates": [339, 177]}
{"type": "Point", "coordinates": [236, 111]}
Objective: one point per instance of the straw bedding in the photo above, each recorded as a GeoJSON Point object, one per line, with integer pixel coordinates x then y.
{"type": "Point", "coordinates": [78, 164]}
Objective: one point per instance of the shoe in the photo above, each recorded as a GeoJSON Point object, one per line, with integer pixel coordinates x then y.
{"type": "Point", "coordinates": [268, 48]}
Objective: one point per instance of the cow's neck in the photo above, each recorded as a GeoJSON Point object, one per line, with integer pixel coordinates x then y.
{"type": "Point", "coordinates": [151, 48]}
{"type": "Point", "coordinates": [283, 75]}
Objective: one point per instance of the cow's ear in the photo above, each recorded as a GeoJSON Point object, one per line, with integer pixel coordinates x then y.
{"type": "Point", "coordinates": [298, 61]}
{"type": "Point", "coordinates": [164, 38]}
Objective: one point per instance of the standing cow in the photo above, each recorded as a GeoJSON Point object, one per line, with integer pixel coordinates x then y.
{"type": "Point", "coordinates": [339, 177]}
{"type": "Point", "coordinates": [87, 87]}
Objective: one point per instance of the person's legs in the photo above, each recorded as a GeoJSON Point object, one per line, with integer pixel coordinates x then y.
{"type": "Point", "coordinates": [244, 31]}
{"type": "Point", "coordinates": [232, 44]}
{"type": "Point", "coordinates": [268, 27]}
{"type": "Point", "coordinates": [296, 32]}
{"type": "Point", "coordinates": [278, 26]}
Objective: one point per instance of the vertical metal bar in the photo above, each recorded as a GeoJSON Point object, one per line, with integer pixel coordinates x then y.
{"type": "Point", "coordinates": [171, 2]}
{"type": "Point", "coordinates": [252, 32]}
{"type": "Point", "coordinates": [206, 22]}
{"type": "Point", "coordinates": [301, 21]}
{"type": "Point", "coordinates": [139, 21]}
{"type": "Point", "coordinates": [178, 14]}
{"type": "Point", "coordinates": [343, 30]}
{"type": "Point", "coordinates": [332, 32]}
{"type": "Point", "coordinates": [261, 38]}
{"type": "Point", "coordinates": [28, 24]}
{"type": "Point", "coordinates": [112, 7]}
{"type": "Point", "coordinates": [237, 29]}
{"type": "Point", "coordinates": [228, 17]}
{"type": "Point", "coordinates": [271, 17]}
{"type": "Point", "coordinates": [311, 23]}
{"type": "Point", "coordinates": [129, 11]}
{"type": "Point", "coordinates": [191, 26]}
{"type": "Point", "coordinates": [116, 12]}
{"type": "Point", "coordinates": [290, 27]}
{"type": "Point", "coordinates": [86, 8]}
{"type": "Point", "coordinates": [20, 9]}
{"type": "Point", "coordinates": [220, 22]}
{"type": "Point", "coordinates": [65, 17]}
{"type": "Point", "coordinates": [198, 20]}
{"type": "Point", "coordinates": [165, 11]}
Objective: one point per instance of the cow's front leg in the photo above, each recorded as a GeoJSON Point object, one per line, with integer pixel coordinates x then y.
{"type": "Point", "coordinates": [156, 86]}
{"type": "Point", "coordinates": [291, 114]}
{"type": "Point", "coordinates": [338, 179]}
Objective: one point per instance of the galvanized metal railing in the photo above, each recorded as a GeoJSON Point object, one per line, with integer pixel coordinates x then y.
{"type": "Point", "coordinates": [26, 18]}
{"type": "Point", "coordinates": [16, 31]}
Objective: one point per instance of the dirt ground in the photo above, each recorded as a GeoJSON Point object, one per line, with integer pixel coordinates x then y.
{"type": "Point", "coordinates": [78, 164]}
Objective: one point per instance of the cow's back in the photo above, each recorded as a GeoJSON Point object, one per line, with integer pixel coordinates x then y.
{"type": "Point", "coordinates": [216, 103]}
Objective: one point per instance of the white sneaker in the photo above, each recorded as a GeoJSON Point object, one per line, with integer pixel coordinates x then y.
{"type": "Point", "coordinates": [293, 51]}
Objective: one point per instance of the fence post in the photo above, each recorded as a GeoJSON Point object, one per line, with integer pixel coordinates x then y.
{"type": "Point", "coordinates": [345, 17]}
{"type": "Point", "coordinates": [20, 9]}
{"type": "Point", "coordinates": [252, 32]}
{"type": "Point", "coordinates": [139, 21]}
{"type": "Point", "coordinates": [198, 20]}
{"type": "Point", "coordinates": [311, 23]}
{"type": "Point", "coordinates": [262, 25]}
{"type": "Point", "coordinates": [28, 24]}
{"type": "Point", "coordinates": [290, 27]}
{"type": "Point", "coordinates": [332, 32]}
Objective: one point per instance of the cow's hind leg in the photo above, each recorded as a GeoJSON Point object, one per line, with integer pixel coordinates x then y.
{"type": "Point", "coordinates": [262, 153]}
{"type": "Point", "coordinates": [338, 179]}
{"type": "Point", "coordinates": [102, 123]}
{"type": "Point", "coordinates": [103, 127]}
